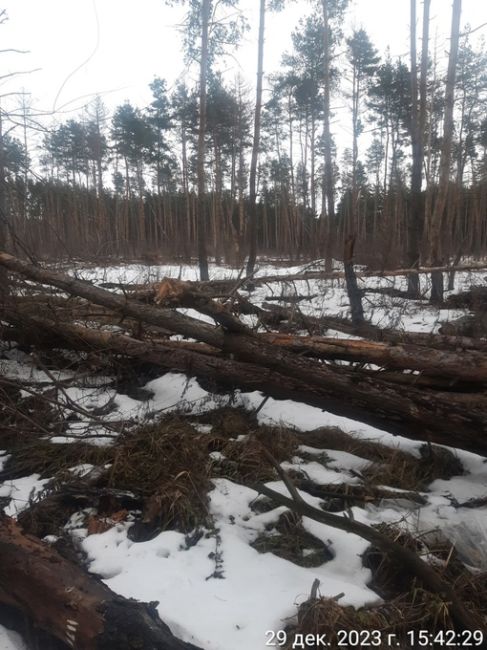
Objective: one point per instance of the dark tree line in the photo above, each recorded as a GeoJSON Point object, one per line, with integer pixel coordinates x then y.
{"type": "Point", "coordinates": [207, 170]}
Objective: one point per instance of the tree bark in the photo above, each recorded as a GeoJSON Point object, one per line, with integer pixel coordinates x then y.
{"type": "Point", "coordinates": [202, 254]}
{"type": "Point", "coordinates": [255, 146]}
{"type": "Point", "coordinates": [458, 420]}
{"type": "Point", "coordinates": [354, 293]}
{"type": "Point", "coordinates": [467, 366]}
{"type": "Point", "coordinates": [437, 217]}
{"type": "Point", "coordinates": [415, 221]}
{"type": "Point", "coordinates": [69, 604]}
{"type": "Point", "coordinates": [329, 182]}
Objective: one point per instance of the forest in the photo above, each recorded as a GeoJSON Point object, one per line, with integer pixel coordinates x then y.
{"type": "Point", "coordinates": [243, 336]}
{"type": "Point", "coordinates": [126, 183]}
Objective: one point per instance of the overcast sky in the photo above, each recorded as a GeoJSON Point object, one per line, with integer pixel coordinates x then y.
{"type": "Point", "coordinates": [116, 47]}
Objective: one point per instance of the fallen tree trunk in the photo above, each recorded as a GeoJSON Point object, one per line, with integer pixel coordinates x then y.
{"type": "Point", "coordinates": [165, 318]}
{"type": "Point", "coordinates": [69, 604]}
{"type": "Point", "coordinates": [47, 337]}
{"type": "Point", "coordinates": [221, 288]}
{"type": "Point", "coordinates": [319, 325]}
{"type": "Point", "coordinates": [193, 328]}
{"type": "Point", "coordinates": [469, 366]}
{"type": "Point", "coordinates": [455, 419]}
{"type": "Point", "coordinates": [324, 275]}
{"type": "Point", "coordinates": [459, 421]}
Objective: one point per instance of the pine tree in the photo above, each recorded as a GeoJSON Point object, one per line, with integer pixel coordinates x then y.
{"type": "Point", "coordinates": [363, 60]}
{"type": "Point", "coordinates": [276, 5]}
{"type": "Point", "coordinates": [418, 120]}
{"type": "Point", "coordinates": [205, 38]}
{"type": "Point", "coordinates": [437, 218]}
{"type": "Point", "coordinates": [332, 11]}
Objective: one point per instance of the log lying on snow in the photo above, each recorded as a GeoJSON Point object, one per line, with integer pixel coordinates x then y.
{"type": "Point", "coordinates": [453, 419]}
{"type": "Point", "coordinates": [70, 605]}
{"type": "Point", "coordinates": [470, 366]}
{"type": "Point", "coordinates": [221, 288]}
{"type": "Point", "coordinates": [165, 318]}
{"type": "Point", "coordinates": [324, 275]}
{"type": "Point", "coordinates": [319, 325]}
{"type": "Point", "coordinates": [458, 420]}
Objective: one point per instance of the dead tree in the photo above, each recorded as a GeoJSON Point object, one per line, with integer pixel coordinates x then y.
{"type": "Point", "coordinates": [69, 604]}
{"type": "Point", "coordinates": [455, 419]}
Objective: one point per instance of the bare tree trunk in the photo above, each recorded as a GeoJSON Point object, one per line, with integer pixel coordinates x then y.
{"type": "Point", "coordinates": [415, 221]}
{"type": "Point", "coordinates": [187, 236]}
{"type": "Point", "coordinates": [329, 183]}
{"type": "Point", "coordinates": [255, 145]}
{"type": "Point", "coordinates": [437, 217]}
{"type": "Point", "coordinates": [3, 217]}
{"type": "Point", "coordinates": [202, 254]}
{"type": "Point", "coordinates": [354, 293]}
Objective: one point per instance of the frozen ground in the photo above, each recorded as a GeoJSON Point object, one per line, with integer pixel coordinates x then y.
{"type": "Point", "coordinates": [220, 592]}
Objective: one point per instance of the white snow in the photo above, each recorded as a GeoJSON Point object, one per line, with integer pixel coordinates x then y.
{"type": "Point", "coordinates": [256, 592]}
{"type": "Point", "coordinates": [3, 458]}
{"type": "Point", "coordinates": [319, 474]}
{"type": "Point", "coordinates": [220, 592]}
{"type": "Point", "coordinates": [21, 491]}
{"type": "Point", "coordinates": [10, 640]}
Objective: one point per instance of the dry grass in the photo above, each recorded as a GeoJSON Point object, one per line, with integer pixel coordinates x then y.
{"type": "Point", "coordinates": [418, 611]}
{"type": "Point", "coordinates": [389, 465]}
{"type": "Point", "coordinates": [407, 472]}
{"type": "Point", "coordinates": [290, 541]}
{"type": "Point", "coordinates": [408, 606]}
{"type": "Point", "coordinates": [244, 460]}
{"type": "Point", "coordinates": [39, 455]}
{"type": "Point", "coordinates": [227, 422]}
{"type": "Point", "coordinates": [166, 463]}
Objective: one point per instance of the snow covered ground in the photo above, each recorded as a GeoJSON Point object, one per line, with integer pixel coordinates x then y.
{"type": "Point", "coordinates": [331, 296]}
{"type": "Point", "coordinates": [220, 592]}
{"type": "Point", "coordinates": [10, 640]}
